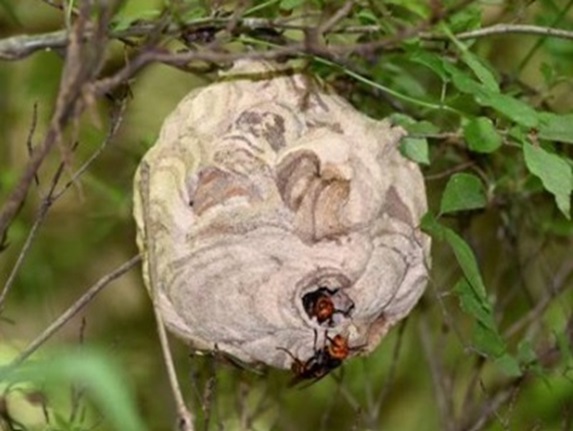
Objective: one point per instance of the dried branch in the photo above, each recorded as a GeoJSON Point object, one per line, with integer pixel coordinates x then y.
{"type": "Point", "coordinates": [22, 46]}
{"type": "Point", "coordinates": [391, 375]}
{"type": "Point", "coordinates": [548, 357]}
{"type": "Point", "coordinates": [443, 393]}
{"type": "Point", "coordinates": [505, 29]}
{"type": "Point", "coordinates": [559, 285]}
{"type": "Point", "coordinates": [19, 47]}
{"type": "Point", "coordinates": [83, 62]}
{"type": "Point", "coordinates": [184, 416]}
{"type": "Point", "coordinates": [338, 16]}
{"type": "Point", "coordinates": [491, 406]}
{"type": "Point", "coordinates": [75, 309]}
{"type": "Point", "coordinates": [52, 196]}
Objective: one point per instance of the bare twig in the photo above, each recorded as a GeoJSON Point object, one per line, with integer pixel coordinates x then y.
{"type": "Point", "coordinates": [75, 309]}
{"type": "Point", "coordinates": [116, 120]}
{"type": "Point", "coordinates": [338, 16]}
{"type": "Point", "coordinates": [52, 196]}
{"type": "Point", "coordinates": [442, 393]}
{"type": "Point", "coordinates": [83, 62]}
{"type": "Point", "coordinates": [209, 392]}
{"type": "Point", "coordinates": [469, 399]}
{"type": "Point", "coordinates": [30, 139]}
{"type": "Point", "coordinates": [505, 29]}
{"type": "Point", "coordinates": [447, 172]}
{"type": "Point", "coordinates": [556, 21]}
{"type": "Point", "coordinates": [19, 47]}
{"type": "Point", "coordinates": [507, 390]}
{"type": "Point", "coordinates": [391, 376]}
{"type": "Point", "coordinates": [559, 285]}
{"type": "Point", "coordinates": [491, 406]}
{"type": "Point", "coordinates": [40, 217]}
{"type": "Point", "coordinates": [22, 46]}
{"type": "Point", "coordinates": [185, 418]}
{"type": "Point", "coordinates": [52, 3]}
{"type": "Point", "coordinates": [77, 391]}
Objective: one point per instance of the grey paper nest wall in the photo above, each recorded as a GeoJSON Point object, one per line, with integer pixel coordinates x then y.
{"type": "Point", "coordinates": [266, 192]}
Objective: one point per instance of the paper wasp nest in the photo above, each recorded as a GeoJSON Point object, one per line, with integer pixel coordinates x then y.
{"type": "Point", "coordinates": [265, 190]}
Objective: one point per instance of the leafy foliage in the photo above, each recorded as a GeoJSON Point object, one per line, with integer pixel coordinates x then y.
{"type": "Point", "coordinates": [95, 372]}
{"type": "Point", "coordinates": [489, 118]}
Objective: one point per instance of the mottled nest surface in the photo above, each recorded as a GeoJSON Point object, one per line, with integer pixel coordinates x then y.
{"type": "Point", "coordinates": [265, 193]}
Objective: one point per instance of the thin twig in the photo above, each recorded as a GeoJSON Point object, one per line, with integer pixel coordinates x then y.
{"type": "Point", "coordinates": [448, 172]}
{"type": "Point", "coordinates": [75, 309]}
{"type": "Point", "coordinates": [184, 416]}
{"type": "Point", "coordinates": [77, 391]}
{"type": "Point", "coordinates": [83, 62]}
{"type": "Point", "coordinates": [40, 217]}
{"type": "Point", "coordinates": [470, 390]}
{"type": "Point", "coordinates": [504, 29]}
{"type": "Point", "coordinates": [441, 392]}
{"type": "Point", "coordinates": [53, 195]}
{"type": "Point", "coordinates": [559, 286]}
{"type": "Point", "coordinates": [21, 46]}
{"type": "Point", "coordinates": [492, 406]}
{"type": "Point", "coordinates": [47, 202]}
{"type": "Point", "coordinates": [391, 376]}
{"type": "Point", "coordinates": [338, 16]}
{"type": "Point", "coordinates": [30, 139]}
{"type": "Point", "coordinates": [116, 120]}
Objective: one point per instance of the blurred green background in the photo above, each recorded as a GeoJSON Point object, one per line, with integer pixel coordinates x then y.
{"type": "Point", "coordinates": [424, 376]}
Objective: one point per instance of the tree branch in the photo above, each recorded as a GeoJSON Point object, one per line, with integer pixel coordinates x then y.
{"type": "Point", "coordinates": [75, 309]}
{"type": "Point", "coordinates": [84, 59]}
{"type": "Point", "coordinates": [504, 29]}
{"type": "Point", "coordinates": [22, 46]}
{"type": "Point", "coordinates": [53, 195]}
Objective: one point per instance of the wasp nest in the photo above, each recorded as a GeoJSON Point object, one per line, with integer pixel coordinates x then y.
{"type": "Point", "coordinates": [270, 212]}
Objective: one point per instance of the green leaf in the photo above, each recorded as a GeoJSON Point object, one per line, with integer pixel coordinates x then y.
{"type": "Point", "coordinates": [366, 16]}
{"type": "Point", "coordinates": [486, 338]}
{"type": "Point", "coordinates": [418, 128]}
{"type": "Point", "coordinates": [461, 249]}
{"type": "Point", "coordinates": [462, 81]}
{"type": "Point", "coordinates": [488, 342]}
{"type": "Point", "coordinates": [475, 305]}
{"type": "Point", "coordinates": [291, 4]}
{"type": "Point", "coordinates": [97, 373]}
{"type": "Point", "coordinates": [555, 174]}
{"type": "Point", "coordinates": [518, 134]}
{"type": "Point", "coordinates": [407, 84]}
{"type": "Point", "coordinates": [553, 127]}
{"type": "Point", "coordinates": [512, 108]}
{"type": "Point", "coordinates": [481, 135]}
{"type": "Point", "coordinates": [474, 63]}
{"type": "Point", "coordinates": [432, 61]}
{"type": "Point", "coordinates": [415, 149]}
{"type": "Point", "coordinates": [124, 21]}
{"type": "Point", "coordinates": [481, 71]}
{"type": "Point", "coordinates": [525, 353]}
{"type": "Point", "coordinates": [416, 7]}
{"type": "Point", "coordinates": [388, 90]}
{"type": "Point", "coordinates": [509, 365]}
{"type": "Point", "coordinates": [548, 72]}
{"type": "Point", "coordinates": [463, 192]}
{"type": "Point", "coordinates": [423, 128]}
{"type": "Point", "coordinates": [468, 18]}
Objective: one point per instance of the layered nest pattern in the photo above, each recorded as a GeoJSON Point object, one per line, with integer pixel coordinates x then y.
{"type": "Point", "coordinates": [273, 216]}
